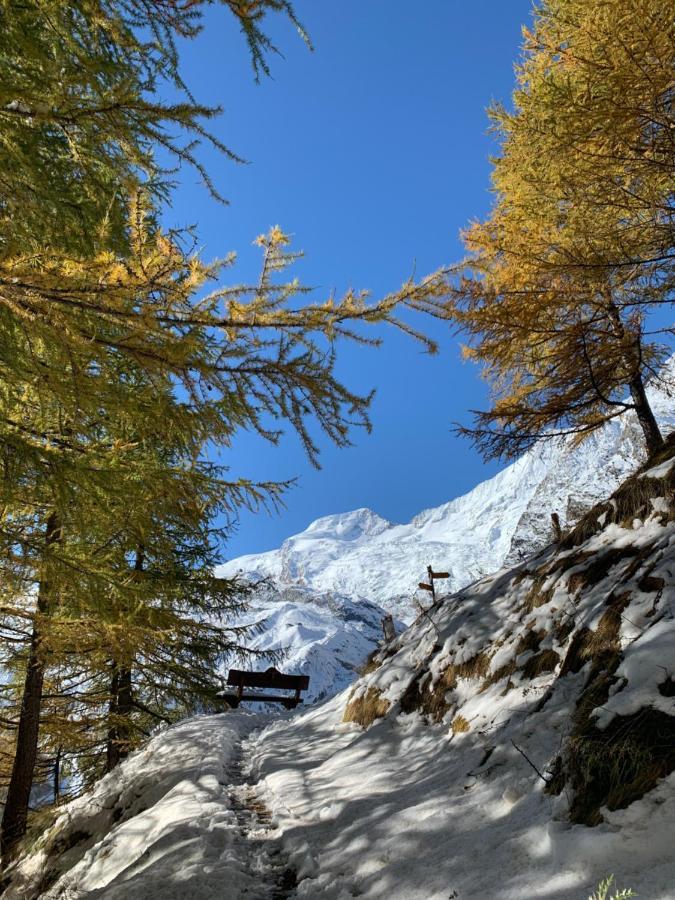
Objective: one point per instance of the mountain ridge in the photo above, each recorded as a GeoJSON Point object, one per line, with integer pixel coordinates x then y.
{"type": "Point", "coordinates": [361, 555]}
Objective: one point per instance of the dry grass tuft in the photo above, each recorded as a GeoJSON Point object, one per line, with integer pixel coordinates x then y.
{"type": "Point", "coordinates": [498, 675]}
{"type": "Point", "coordinates": [600, 647]}
{"type": "Point", "coordinates": [40, 822]}
{"type": "Point", "coordinates": [537, 596]}
{"type": "Point", "coordinates": [563, 629]}
{"type": "Point", "coordinates": [536, 665]}
{"type": "Point", "coordinates": [529, 640]}
{"type": "Point", "coordinates": [616, 766]}
{"type": "Point", "coordinates": [540, 662]}
{"type": "Point", "coordinates": [460, 725]}
{"type": "Point", "coordinates": [372, 663]}
{"type": "Point", "coordinates": [432, 701]}
{"type": "Point", "coordinates": [365, 709]}
{"type": "Point", "coordinates": [600, 566]}
{"type": "Point", "coordinates": [649, 584]}
{"type": "Point", "coordinates": [620, 764]}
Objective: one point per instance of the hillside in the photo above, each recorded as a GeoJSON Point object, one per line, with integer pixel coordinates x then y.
{"type": "Point", "coordinates": [518, 741]}
{"type": "Point", "coordinates": [501, 521]}
{"type": "Point", "coordinates": [327, 589]}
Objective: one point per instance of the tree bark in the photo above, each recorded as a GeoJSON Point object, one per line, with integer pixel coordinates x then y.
{"type": "Point", "coordinates": [646, 418]}
{"type": "Point", "coordinates": [124, 710]}
{"type": "Point", "coordinates": [21, 780]}
{"type": "Point", "coordinates": [650, 428]}
{"type": "Point", "coordinates": [112, 745]}
{"type": "Point", "coordinates": [120, 709]}
{"type": "Point", "coordinates": [57, 775]}
{"type": "Point", "coordinates": [121, 703]}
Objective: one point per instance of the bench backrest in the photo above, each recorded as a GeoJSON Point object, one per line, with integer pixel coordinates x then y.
{"type": "Point", "coordinates": [272, 678]}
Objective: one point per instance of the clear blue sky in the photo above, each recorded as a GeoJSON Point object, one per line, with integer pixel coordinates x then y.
{"type": "Point", "coordinates": [373, 151]}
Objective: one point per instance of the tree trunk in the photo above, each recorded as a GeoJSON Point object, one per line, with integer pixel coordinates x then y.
{"type": "Point", "coordinates": [57, 776]}
{"type": "Point", "coordinates": [120, 709]}
{"type": "Point", "coordinates": [121, 703]}
{"type": "Point", "coordinates": [21, 780]}
{"type": "Point", "coordinates": [124, 710]}
{"type": "Point", "coordinates": [112, 746]}
{"type": "Point", "coordinates": [646, 418]}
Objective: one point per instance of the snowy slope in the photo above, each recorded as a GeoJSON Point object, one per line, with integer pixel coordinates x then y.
{"type": "Point", "coordinates": [361, 555]}
{"type": "Point", "coordinates": [518, 743]}
{"type": "Point", "coordinates": [161, 825]}
{"type": "Point", "coordinates": [323, 635]}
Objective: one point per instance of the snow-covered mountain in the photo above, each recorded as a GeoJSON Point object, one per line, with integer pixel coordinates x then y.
{"type": "Point", "coordinates": [360, 555]}
{"type": "Point", "coordinates": [324, 635]}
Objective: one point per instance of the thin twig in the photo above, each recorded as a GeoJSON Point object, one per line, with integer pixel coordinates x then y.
{"type": "Point", "coordinates": [527, 759]}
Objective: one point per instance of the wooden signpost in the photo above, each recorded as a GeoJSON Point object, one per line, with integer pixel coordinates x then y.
{"type": "Point", "coordinates": [433, 576]}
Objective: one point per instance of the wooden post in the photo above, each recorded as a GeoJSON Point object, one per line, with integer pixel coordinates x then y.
{"type": "Point", "coordinates": [431, 587]}
{"type": "Point", "coordinates": [388, 628]}
{"type": "Point", "coordinates": [557, 529]}
{"type": "Point", "coordinates": [430, 573]}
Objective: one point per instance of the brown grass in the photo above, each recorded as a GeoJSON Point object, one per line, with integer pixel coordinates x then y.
{"type": "Point", "coordinates": [365, 709]}
{"type": "Point", "coordinates": [537, 596]}
{"type": "Point", "coordinates": [460, 725]}
{"type": "Point", "coordinates": [536, 665]}
{"type": "Point", "coordinates": [616, 766]}
{"type": "Point", "coordinates": [372, 664]}
{"type": "Point", "coordinates": [600, 647]}
{"type": "Point", "coordinates": [529, 640]}
{"type": "Point", "coordinates": [620, 764]}
{"type": "Point", "coordinates": [432, 701]}
{"type": "Point", "coordinates": [650, 584]}
{"type": "Point", "coordinates": [498, 675]}
{"type": "Point", "coordinates": [632, 500]}
{"type": "Point", "coordinates": [564, 629]}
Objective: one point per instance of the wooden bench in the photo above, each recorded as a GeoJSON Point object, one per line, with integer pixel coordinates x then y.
{"type": "Point", "coordinates": [271, 678]}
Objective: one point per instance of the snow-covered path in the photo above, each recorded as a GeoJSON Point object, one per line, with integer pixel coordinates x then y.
{"type": "Point", "coordinates": [261, 852]}
{"type": "Point", "coordinates": [178, 820]}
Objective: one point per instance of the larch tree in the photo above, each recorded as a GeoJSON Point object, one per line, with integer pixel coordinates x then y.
{"type": "Point", "coordinates": [80, 124]}
{"type": "Point", "coordinates": [132, 353]}
{"type": "Point", "coordinates": [123, 358]}
{"type": "Point", "coordinates": [557, 293]}
{"type": "Point", "coordinates": [81, 114]}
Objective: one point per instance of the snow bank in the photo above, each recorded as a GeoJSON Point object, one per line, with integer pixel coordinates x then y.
{"type": "Point", "coordinates": [161, 825]}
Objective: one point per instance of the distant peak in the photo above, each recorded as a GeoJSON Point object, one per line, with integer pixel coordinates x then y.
{"type": "Point", "coordinates": [347, 526]}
